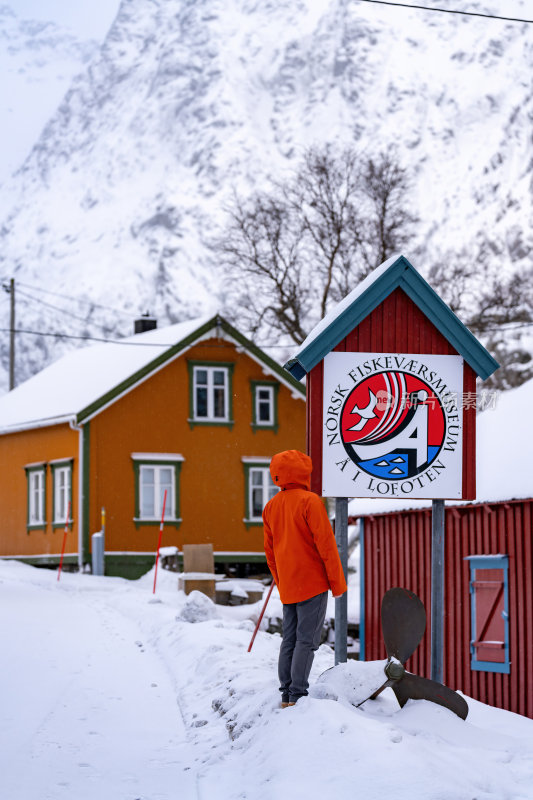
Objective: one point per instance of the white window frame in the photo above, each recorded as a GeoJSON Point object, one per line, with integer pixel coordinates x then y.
{"type": "Point", "coordinates": [268, 489]}
{"type": "Point", "coordinates": [62, 492]}
{"type": "Point", "coordinates": [158, 461]}
{"type": "Point", "coordinates": [36, 497]}
{"type": "Point", "coordinates": [211, 387]}
{"type": "Point", "coordinates": [170, 510]}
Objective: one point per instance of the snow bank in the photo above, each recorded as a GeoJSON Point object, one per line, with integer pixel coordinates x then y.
{"type": "Point", "coordinates": [197, 608]}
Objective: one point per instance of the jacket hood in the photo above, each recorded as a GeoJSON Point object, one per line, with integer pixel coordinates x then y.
{"type": "Point", "coordinates": [291, 467]}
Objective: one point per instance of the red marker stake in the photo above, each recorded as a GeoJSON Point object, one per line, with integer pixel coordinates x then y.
{"type": "Point", "coordinates": [160, 535]}
{"type": "Point", "coordinates": [64, 542]}
{"type": "Point", "coordinates": [261, 616]}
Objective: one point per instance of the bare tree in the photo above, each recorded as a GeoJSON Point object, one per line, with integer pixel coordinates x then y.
{"type": "Point", "coordinates": [303, 243]}
{"type": "Point", "coordinates": [293, 249]}
{"type": "Point", "coordinates": [495, 304]}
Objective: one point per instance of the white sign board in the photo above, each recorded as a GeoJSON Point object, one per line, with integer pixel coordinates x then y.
{"type": "Point", "coordinates": [392, 425]}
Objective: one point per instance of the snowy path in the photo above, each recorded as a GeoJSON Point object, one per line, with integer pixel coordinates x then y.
{"type": "Point", "coordinates": [96, 718]}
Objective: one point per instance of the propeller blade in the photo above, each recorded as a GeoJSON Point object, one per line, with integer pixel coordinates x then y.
{"type": "Point", "coordinates": [414, 687]}
{"type": "Point", "coordinates": [403, 622]}
{"type": "Point", "coordinates": [376, 693]}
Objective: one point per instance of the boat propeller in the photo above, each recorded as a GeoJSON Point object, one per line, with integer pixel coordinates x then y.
{"type": "Point", "coordinates": [403, 623]}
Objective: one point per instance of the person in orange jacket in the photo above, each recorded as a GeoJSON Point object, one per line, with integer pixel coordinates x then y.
{"type": "Point", "coordinates": [304, 561]}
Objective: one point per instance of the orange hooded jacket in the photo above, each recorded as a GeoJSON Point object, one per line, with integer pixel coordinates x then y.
{"type": "Point", "coordinates": [300, 545]}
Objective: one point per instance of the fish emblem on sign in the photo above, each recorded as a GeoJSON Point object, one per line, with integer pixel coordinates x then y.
{"type": "Point", "coordinates": [392, 425]}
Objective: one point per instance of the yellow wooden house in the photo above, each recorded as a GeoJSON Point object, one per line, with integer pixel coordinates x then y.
{"type": "Point", "coordinates": [194, 409]}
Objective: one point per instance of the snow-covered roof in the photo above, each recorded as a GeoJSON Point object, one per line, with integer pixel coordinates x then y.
{"type": "Point", "coordinates": [85, 379]}
{"type": "Point", "coordinates": [396, 272]}
{"type": "Point", "coordinates": [504, 456]}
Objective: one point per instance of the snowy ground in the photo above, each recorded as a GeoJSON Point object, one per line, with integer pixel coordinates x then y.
{"type": "Point", "coordinates": [110, 693]}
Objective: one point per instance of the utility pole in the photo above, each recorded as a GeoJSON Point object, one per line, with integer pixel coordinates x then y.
{"type": "Point", "coordinates": [10, 289]}
{"type": "Point", "coordinates": [12, 335]}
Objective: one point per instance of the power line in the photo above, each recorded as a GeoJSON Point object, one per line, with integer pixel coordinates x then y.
{"type": "Point", "coordinates": [60, 335]}
{"type": "Point", "coordinates": [76, 299]}
{"type": "Point", "coordinates": [446, 10]}
{"type": "Point", "coordinates": [49, 305]}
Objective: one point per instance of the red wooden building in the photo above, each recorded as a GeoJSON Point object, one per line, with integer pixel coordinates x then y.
{"type": "Point", "coordinates": [488, 611]}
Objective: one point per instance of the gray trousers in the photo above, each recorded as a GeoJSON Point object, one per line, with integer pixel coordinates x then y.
{"type": "Point", "coordinates": [302, 629]}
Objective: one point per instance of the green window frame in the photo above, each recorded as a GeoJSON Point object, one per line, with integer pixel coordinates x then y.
{"type": "Point", "coordinates": [264, 405]}
{"type": "Point", "coordinates": [61, 491]}
{"type": "Point", "coordinates": [153, 473]}
{"type": "Point", "coordinates": [210, 393]}
{"type": "Point", "coordinates": [36, 494]}
{"type": "Point", "coordinates": [259, 488]}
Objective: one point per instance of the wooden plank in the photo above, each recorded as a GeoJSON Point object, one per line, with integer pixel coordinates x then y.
{"type": "Point", "coordinates": [315, 382]}
{"type": "Point", "coordinates": [204, 585]}
{"type": "Point", "coordinates": [514, 640]}
{"type": "Point", "coordinates": [365, 335]}
{"type": "Point", "coordinates": [383, 568]}
{"type": "Point", "coordinates": [465, 610]}
{"type": "Point", "coordinates": [377, 646]}
{"type": "Point", "coordinates": [198, 558]}
{"type": "Point", "coordinates": [390, 324]}
{"type": "Point", "coordinates": [515, 512]}
{"type": "Point", "coordinates": [390, 558]}
{"type": "Point", "coordinates": [527, 643]}
{"type": "Point", "coordinates": [469, 438]}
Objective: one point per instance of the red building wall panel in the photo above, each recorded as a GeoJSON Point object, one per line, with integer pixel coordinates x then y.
{"type": "Point", "coordinates": [397, 553]}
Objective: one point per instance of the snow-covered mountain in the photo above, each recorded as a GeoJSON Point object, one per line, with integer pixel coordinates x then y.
{"type": "Point", "coordinates": [187, 100]}
{"type": "Point", "coordinates": [37, 62]}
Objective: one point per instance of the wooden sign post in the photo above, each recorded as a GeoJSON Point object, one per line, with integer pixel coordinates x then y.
{"type": "Point", "coordinates": [387, 373]}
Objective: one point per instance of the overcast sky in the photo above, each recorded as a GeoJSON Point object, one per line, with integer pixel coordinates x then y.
{"type": "Point", "coordinates": [88, 19]}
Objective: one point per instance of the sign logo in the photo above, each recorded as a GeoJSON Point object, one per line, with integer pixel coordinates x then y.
{"type": "Point", "coordinates": [392, 425]}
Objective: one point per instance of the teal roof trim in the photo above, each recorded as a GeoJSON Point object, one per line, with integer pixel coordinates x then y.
{"type": "Point", "coordinates": [401, 274]}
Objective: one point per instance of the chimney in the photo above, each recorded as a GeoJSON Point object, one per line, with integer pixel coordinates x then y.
{"type": "Point", "coordinates": [145, 323]}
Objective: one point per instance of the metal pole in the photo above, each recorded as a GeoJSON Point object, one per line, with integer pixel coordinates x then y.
{"type": "Point", "coordinates": [97, 553]}
{"type": "Point", "coordinates": [12, 335]}
{"type": "Point", "coordinates": [437, 590]}
{"type": "Point", "coordinates": [341, 603]}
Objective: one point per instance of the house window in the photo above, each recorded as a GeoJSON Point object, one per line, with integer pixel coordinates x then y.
{"type": "Point", "coordinates": [259, 489]}
{"type": "Point", "coordinates": [489, 610]}
{"type": "Point", "coordinates": [210, 393]}
{"type": "Point", "coordinates": [62, 491]}
{"type": "Point", "coordinates": [264, 405]}
{"type": "Point", "coordinates": [155, 474]}
{"type": "Point", "coordinates": [36, 477]}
